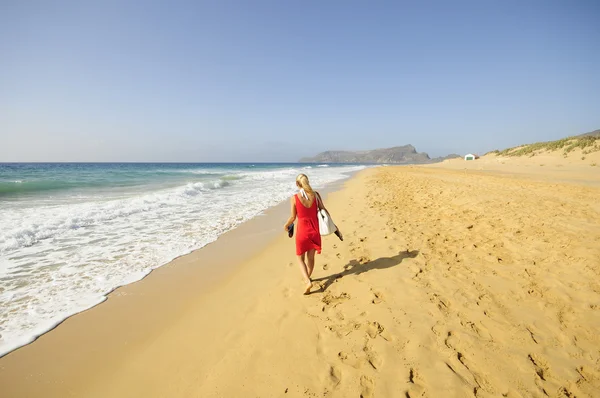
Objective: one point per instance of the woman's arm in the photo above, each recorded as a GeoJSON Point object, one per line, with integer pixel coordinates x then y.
{"type": "Point", "coordinates": [292, 215]}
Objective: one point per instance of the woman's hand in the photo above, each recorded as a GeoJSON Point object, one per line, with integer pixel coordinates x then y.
{"type": "Point", "coordinates": [290, 220]}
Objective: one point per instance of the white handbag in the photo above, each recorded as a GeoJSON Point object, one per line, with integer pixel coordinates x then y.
{"type": "Point", "coordinates": [326, 224]}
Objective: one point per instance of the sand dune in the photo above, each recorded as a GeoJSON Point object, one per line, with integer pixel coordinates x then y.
{"type": "Point", "coordinates": [449, 283]}
{"type": "Point", "coordinates": [579, 165]}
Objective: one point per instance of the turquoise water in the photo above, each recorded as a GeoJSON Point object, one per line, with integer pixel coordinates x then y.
{"type": "Point", "coordinates": [19, 179]}
{"type": "Point", "coordinates": [71, 233]}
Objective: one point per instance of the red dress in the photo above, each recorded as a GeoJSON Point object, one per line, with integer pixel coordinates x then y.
{"type": "Point", "coordinates": [307, 232]}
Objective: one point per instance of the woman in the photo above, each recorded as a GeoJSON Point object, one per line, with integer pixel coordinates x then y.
{"type": "Point", "coordinates": [305, 205]}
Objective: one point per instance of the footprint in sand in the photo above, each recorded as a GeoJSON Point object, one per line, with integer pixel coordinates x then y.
{"type": "Point", "coordinates": [378, 297]}
{"type": "Point", "coordinates": [325, 266]}
{"type": "Point", "coordinates": [438, 328]}
{"type": "Point", "coordinates": [442, 304]}
{"type": "Point", "coordinates": [532, 335]}
{"type": "Point", "coordinates": [349, 359]}
{"type": "Point", "coordinates": [335, 376]}
{"type": "Point", "coordinates": [331, 299]}
{"type": "Point", "coordinates": [373, 357]}
{"type": "Point", "coordinates": [478, 327]}
{"type": "Point", "coordinates": [541, 369]}
{"type": "Point", "coordinates": [366, 387]}
{"type": "Point", "coordinates": [416, 388]}
{"type": "Point", "coordinates": [463, 367]}
{"type": "Point", "coordinates": [482, 331]}
{"type": "Point", "coordinates": [364, 260]}
{"type": "Point", "coordinates": [375, 329]}
{"type": "Point", "coordinates": [418, 273]}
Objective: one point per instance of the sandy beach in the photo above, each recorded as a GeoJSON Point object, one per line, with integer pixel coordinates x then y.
{"type": "Point", "coordinates": [454, 280]}
{"type": "Point", "coordinates": [152, 153]}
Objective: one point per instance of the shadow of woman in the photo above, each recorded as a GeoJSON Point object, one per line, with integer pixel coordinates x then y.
{"type": "Point", "coordinates": [355, 267]}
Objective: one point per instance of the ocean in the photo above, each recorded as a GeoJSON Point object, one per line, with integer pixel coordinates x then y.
{"type": "Point", "coordinates": [70, 233]}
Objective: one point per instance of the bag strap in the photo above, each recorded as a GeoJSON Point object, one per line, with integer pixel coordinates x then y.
{"type": "Point", "coordinates": [304, 194]}
{"type": "Point", "coordinates": [318, 199]}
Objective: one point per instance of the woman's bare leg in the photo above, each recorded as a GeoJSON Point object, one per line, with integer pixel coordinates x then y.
{"type": "Point", "coordinates": [304, 272]}
{"type": "Point", "coordinates": [310, 264]}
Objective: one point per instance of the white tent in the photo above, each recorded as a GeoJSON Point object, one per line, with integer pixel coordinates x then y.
{"type": "Point", "coordinates": [470, 156]}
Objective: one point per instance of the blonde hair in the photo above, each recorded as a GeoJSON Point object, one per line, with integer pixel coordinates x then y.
{"type": "Point", "coordinates": [302, 180]}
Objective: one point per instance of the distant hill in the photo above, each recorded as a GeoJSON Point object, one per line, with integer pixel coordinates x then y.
{"type": "Point", "coordinates": [442, 158]}
{"type": "Point", "coordinates": [595, 133]}
{"type": "Point", "coordinates": [397, 155]}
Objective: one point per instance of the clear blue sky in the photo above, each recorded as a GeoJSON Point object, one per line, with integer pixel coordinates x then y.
{"type": "Point", "coordinates": [276, 80]}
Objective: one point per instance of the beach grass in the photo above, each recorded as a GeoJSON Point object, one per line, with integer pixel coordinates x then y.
{"type": "Point", "coordinates": [587, 144]}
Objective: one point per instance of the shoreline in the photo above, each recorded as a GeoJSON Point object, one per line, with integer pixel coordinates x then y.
{"type": "Point", "coordinates": [266, 213]}
{"type": "Point", "coordinates": [445, 281]}
{"type": "Point", "coordinates": [254, 235]}
{"type": "Point", "coordinates": [114, 291]}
